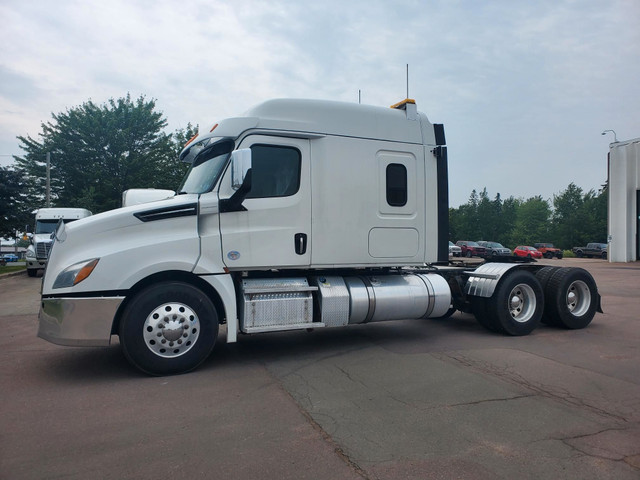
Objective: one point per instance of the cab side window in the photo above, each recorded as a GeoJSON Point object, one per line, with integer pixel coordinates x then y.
{"type": "Point", "coordinates": [275, 171]}
{"type": "Point", "coordinates": [396, 185]}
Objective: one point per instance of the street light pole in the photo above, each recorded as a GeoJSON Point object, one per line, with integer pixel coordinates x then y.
{"type": "Point", "coordinates": [615, 139]}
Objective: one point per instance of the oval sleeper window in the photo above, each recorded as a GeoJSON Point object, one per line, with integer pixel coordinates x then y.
{"type": "Point", "coordinates": [396, 185]}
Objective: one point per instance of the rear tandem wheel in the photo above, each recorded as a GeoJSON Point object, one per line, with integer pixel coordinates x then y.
{"type": "Point", "coordinates": [571, 298]}
{"type": "Point", "coordinates": [515, 307]}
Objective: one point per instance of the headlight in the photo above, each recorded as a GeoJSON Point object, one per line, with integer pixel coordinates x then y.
{"type": "Point", "coordinates": [74, 274]}
{"type": "Point", "coordinates": [31, 253]}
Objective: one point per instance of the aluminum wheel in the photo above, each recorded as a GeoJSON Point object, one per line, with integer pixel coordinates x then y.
{"type": "Point", "coordinates": [578, 298]}
{"type": "Point", "coordinates": [171, 330]}
{"type": "Point", "coordinates": [522, 303]}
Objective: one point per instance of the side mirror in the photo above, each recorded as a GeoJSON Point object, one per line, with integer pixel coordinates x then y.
{"type": "Point", "coordinates": [240, 181]}
{"type": "Point", "coordinates": [240, 165]}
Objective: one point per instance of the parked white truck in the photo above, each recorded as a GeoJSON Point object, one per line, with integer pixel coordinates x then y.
{"type": "Point", "coordinates": [46, 222]}
{"type": "Point", "coordinates": [300, 214]}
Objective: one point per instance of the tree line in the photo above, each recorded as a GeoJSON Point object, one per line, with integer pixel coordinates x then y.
{"type": "Point", "coordinates": [572, 218]}
{"type": "Point", "coordinates": [99, 151]}
{"type": "Point", "coordinates": [96, 152]}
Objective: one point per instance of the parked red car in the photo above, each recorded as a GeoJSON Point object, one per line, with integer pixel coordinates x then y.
{"type": "Point", "coordinates": [471, 249]}
{"type": "Point", "coordinates": [525, 251]}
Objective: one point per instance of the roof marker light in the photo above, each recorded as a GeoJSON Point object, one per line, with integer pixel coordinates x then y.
{"type": "Point", "coordinates": [190, 140]}
{"type": "Point", "coordinates": [403, 104]}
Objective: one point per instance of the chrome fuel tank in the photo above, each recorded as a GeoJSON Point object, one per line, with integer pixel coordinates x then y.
{"type": "Point", "coordinates": [397, 297]}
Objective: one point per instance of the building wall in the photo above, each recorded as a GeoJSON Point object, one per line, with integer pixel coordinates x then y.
{"type": "Point", "coordinates": [624, 183]}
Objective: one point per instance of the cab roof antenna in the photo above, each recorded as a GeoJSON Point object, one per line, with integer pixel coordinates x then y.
{"type": "Point", "coordinates": [407, 81]}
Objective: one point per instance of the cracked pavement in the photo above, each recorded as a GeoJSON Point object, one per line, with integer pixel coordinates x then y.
{"type": "Point", "coordinates": [432, 399]}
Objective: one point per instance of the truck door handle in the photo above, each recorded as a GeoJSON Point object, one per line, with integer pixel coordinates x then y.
{"type": "Point", "coordinates": [300, 243]}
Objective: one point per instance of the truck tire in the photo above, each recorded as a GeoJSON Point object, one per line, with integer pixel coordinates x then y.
{"type": "Point", "coordinates": [604, 255]}
{"type": "Point", "coordinates": [571, 298]}
{"type": "Point", "coordinates": [544, 275]}
{"type": "Point", "coordinates": [559, 255]}
{"type": "Point", "coordinates": [168, 328]}
{"type": "Point", "coordinates": [517, 304]}
{"type": "Point", "coordinates": [32, 272]}
{"type": "Point", "coordinates": [469, 254]}
{"type": "Point", "coordinates": [579, 254]}
{"type": "Point", "coordinates": [480, 311]}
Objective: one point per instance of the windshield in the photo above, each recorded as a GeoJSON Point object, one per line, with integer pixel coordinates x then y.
{"type": "Point", "coordinates": [49, 226]}
{"type": "Point", "coordinates": [206, 167]}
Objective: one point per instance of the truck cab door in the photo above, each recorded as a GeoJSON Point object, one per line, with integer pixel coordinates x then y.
{"type": "Point", "coordinates": [272, 229]}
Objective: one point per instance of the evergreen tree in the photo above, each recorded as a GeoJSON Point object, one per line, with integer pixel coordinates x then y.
{"type": "Point", "coordinates": [569, 218]}
{"type": "Point", "coordinates": [14, 212]}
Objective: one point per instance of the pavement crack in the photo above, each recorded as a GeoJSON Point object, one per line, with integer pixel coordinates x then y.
{"type": "Point", "coordinates": [350, 377]}
{"type": "Point", "coordinates": [490, 400]}
{"type": "Point", "coordinates": [507, 373]}
{"type": "Point", "coordinates": [338, 450]}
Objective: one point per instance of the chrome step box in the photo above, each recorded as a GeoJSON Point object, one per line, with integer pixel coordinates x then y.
{"type": "Point", "coordinates": [273, 304]}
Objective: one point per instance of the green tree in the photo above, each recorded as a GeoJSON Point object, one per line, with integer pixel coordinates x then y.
{"type": "Point", "coordinates": [98, 151]}
{"type": "Point", "coordinates": [485, 217]}
{"type": "Point", "coordinates": [532, 221]}
{"type": "Point", "coordinates": [175, 170]}
{"type": "Point", "coordinates": [510, 208]}
{"type": "Point", "coordinates": [595, 207]}
{"type": "Point", "coordinates": [14, 213]}
{"type": "Point", "coordinates": [568, 218]}
{"type": "Point", "coordinates": [468, 222]}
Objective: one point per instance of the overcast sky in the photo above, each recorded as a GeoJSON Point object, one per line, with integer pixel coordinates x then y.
{"type": "Point", "coordinates": [524, 89]}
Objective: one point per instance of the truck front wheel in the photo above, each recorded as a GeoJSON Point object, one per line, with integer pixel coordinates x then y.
{"type": "Point", "coordinates": [168, 328]}
{"type": "Point", "coordinates": [571, 298]}
{"type": "Point", "coordinates": [517, 304]}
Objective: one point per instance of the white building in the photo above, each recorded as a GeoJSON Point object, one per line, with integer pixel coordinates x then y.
{"type": "Point", "coordinates": [624, 201]}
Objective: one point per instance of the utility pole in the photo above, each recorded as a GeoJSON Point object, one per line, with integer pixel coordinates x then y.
{"type": "Point", "coordinates": [48, 179]}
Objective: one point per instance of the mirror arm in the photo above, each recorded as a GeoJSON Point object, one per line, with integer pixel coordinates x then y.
{"type": "Point", "coordinates": [234, 203]}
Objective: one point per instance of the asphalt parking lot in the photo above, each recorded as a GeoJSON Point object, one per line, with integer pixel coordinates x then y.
{"type": "Point", "coordinates": [429, 399]}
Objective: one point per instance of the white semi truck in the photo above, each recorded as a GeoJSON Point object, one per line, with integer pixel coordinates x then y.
{"type": "Point", "coordinates": [46, 222]}
{"type": "Point", "coordinates": [300, 214]}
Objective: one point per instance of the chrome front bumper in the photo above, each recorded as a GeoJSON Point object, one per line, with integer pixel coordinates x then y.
{"type": "Point", "coordinates": [78, 321]}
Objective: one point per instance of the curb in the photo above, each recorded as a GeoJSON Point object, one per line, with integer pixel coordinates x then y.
{"type": "Point", "coordinates": [13, 274]}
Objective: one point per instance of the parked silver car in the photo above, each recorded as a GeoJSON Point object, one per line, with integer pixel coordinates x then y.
{"type": "Point", "coordinates": [494, 249]}
{"type": "Point", "coordinates": [454, 250]}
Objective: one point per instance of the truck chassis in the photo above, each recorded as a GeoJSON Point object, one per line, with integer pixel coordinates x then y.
{"type": "Point", "coordinates": [171, 327]}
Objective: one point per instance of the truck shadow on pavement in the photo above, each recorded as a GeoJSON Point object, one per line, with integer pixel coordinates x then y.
{"type": "Point", "coordinates": [108, 364]}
